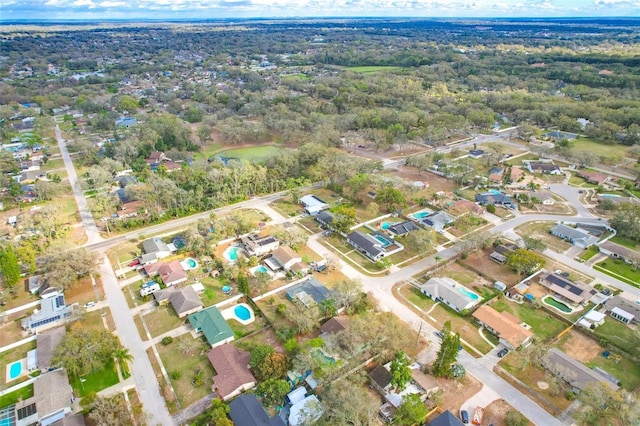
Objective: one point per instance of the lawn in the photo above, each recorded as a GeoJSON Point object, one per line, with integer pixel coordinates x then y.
{"type": "Point", "coordinates": [621, 270]}
{"type": "Point", "coordinates": [254, 153]}
{"type": "Point", "coordinates": [96, 381]}
{"type": "Point", "coordinates": [625, 242]}
{"type": "Point", "coordinates": [161, 320]}
{"type": "Point", "coordinates": [589, 253]}
{"type": "Point", "coordinates": [540, 230]}
{"type": "Point", "coordinates": [182, 359]}
{"type": "Point", "coordinates": [620, 335]}
{"type": "Point", "coordinates": [544, 326]}
{"type": "Point", "coordinates": [15, 396]}
{"type": "Point", "coordinates": [624, 369]}
{"type": "Point", "coordinates": [582, 144]}
{"type": "Point", "coordinates": [370, 69]}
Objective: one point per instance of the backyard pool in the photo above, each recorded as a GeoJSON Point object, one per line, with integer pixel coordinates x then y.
{"type": "Point", "coordinates": [383, 240]}
{"type": "Point", "coordinates": [189, 263]}
{"type": "Point", "coordinates": [14, 370]}
{"type": "Point", "coordinates": [385, 225]}
{"type": "Point", "coordinates": [556, 304]}
{"type": "Point", "coordinates": [241, 313]}
{"type": "Point", "coordinates": [322, 357]}
{"type": "Point", "coordinates": [421, 214]}
{"type": "Point", "coordinates": [609, 195]}
{"type": "Point", "coordinates": [471, 295]}
{"type": "Point", "coordinates": [231, 253]}
{"type": "Point", "coordinates": [259, 269]}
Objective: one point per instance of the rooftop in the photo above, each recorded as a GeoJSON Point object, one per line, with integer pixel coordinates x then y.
{"type": "Point", "coordinates": [506, 328]}
{"type": "Point", "coordinates": [212, 324]}
{"type": "Point", "coordinates": [232, 368]}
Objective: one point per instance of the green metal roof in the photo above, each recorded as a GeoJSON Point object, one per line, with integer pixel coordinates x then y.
{"type": "Point", "coordinates": [212, 324]}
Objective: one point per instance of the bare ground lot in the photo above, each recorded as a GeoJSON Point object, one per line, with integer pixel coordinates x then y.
{"type": "Point", "coordinates": [480, 261]}
{"type": "Point", "coordinates": [457, 392]}
{"type": "Point", "coordinates": [494, 413]}
{"type": "Point", "coordinates": [580, 347]}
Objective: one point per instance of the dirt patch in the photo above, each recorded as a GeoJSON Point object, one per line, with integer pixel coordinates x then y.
{"type": "Point", "coordinates": [481, 262]}
{"type": "Point", "coordinates": [581, 347]}
{"type": "Point", "coordinates": [457, 392]}
{"type": "Point", "coordinates": [495, 412]}
{"type": "Point", "coordinates": [537, 290]}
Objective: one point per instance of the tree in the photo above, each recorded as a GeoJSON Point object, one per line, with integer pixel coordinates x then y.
{"type": "Point", "coordinates": [273, 366]}
{"type": "Point", "coordinates": [84, 351]}
{"type": "Point", "coordinates": [448, 353]}
{"type": "Point", "coordinates": [63, 268]}
{"type": "Point", "coordinates": [400, 371]}
{"type": "Point", "coordinates": [515, 418]}
{"type": "Point", "coordinates": [524, 261]}
{"type": "Point", "coordinates": [217, 414]}
{"type": "Point", "coordinates": [392, 197]}
{"type": "Point", "coordinates": [412, 411]}
{"type": "Point", "coordinates": [536, 244]}
{"type": "Point", "coordinates": [110, 412]}
{"type": "Point", "coordinates": [9, 267]}
{"type": "Point", "coordinates": [422, 240]}
{"type": "Point", "coordinates": [348, 403]}
{"type": "Point", "coordinates": [123, 357]}
{"type": "Point", "coordinates": [273, 391]}
{"type": "Point", "coordinates": [491, 208]}
{"type": "Point", "coordinates": [626, 220]}
{"type": "Point", "coordinates": [344, 217]}
{"type": "Point", "coordinates": [599, 402]}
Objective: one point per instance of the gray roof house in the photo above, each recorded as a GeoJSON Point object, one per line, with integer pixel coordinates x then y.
{"type": "Point", "coordinates": [450, 292]}
{"type": "Point", "coordinates": [438, 220]}
{"type": "Point", "coordinates": [403, 228]}
{"type": "Point", "coordinates": [309, 292]}
{"type": "Point", "coordinates": [155, 249]}
{"type": "Point", "coordinates": [575, 236]}
{"type": "Point", "coordinates": [325, 217]}
{"type": "Point", "coordinates": [246, 410]}
{"type": "Point", "coordinates": [367, 245]}
{"type": "Point", "coordinates": [46, 343]}
{"type": "Point", "coordinates": [185, 300]}
{"type": "Point", "coordinates": [495, 198]}
{"type": "Point", "coordinates": [53, 310]}
{"type": "Point", "coordinates": [446, 419]}
{"type": "Point", "coordinates": [543, 167]}
{"type": "Point", "coordinates": [612, 249]}
{"type": "Point", "coordinates": [51, 401]}
{"type": "Point", "coordinates": [623, 310]}
{"type": "Point", "coordinates": [256, 245]}
{"type": "Point", "coordinates": [573, 371]}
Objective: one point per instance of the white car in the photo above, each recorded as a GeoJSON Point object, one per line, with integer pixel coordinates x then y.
{"type": "Point", "coordinates": [89, 304]}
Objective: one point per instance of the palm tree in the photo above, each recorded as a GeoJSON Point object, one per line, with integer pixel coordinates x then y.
{"type": "Point", "coordinates": [122, 356]}
{"type": "Point", "coordinates": [437, 258]}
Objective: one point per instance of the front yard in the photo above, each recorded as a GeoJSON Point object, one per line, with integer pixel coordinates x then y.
{"type": "Point", "coordinates": [161, 320]}
{"type": "Point", "coordinates": [621, 270]}
{"type": "Point", "coordinates": [541, 231]}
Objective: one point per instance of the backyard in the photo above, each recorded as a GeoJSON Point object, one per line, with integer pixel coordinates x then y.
{"type": "Point", "coordinates": [11, 355]}
{"type": "Point", "coordinates": [183, 358]}
{"type": "Point", "coordinates": [480, 261]}
{"type": "Point", "coordinates": [95, 381]}
{"type": "Point", "coordinates": [544, 325]}
{"type": "Point", "coordinates": [15, 396]}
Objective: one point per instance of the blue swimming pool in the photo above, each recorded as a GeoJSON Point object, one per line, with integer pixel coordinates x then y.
{"type": "Point", "coordinates": [421, 215]}
{"type": "Point", "coordinates": [495, 191]}
{"type": "Point", "coordinates": [385, 225]}
{"type": "Point", "coordinates": [231, 253]}
{"type": "Point", "coordinates": [262, 269]}
{"type": "Point", "coordinates": [242, 312]}
{"type": "Point", "coordinates": [610, 195]}
{"type": "Point", "coordinates": [15, 370]}
{"type": "Point", "coordinates": [471, 295]}
{"type": "Point", "coordinates": [382, 240]}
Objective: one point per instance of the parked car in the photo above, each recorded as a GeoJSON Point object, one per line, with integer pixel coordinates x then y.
{"type": "Point", "coordinates": [439, 334]}
{"type": "Point", "coordinates": [89, 304]}
{"type": "Point", "coordinates": [134, 262]}
{"type": "Point", "coordinates": [464, 416]}
{"type": "Point", "coordinates": [503, 352]}
{"type": "Point", "coordinates": [605, 291]}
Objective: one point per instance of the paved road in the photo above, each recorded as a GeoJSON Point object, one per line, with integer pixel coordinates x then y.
{"type": "Point", "coordinates": [93, 234]}
{"type": "Point", "coordinates": [143, 374]}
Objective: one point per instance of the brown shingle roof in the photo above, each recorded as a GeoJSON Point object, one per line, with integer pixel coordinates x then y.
{"type": "Point", "coordinates": [46, 343]}
{"type": "Point", "coordinates": [504, 325]}
{"type": "Point", "coordinates": [335, 324]}
{"type": "Point", "coordinates": [232, 369]}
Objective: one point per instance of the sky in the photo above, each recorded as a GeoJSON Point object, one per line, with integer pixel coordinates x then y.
{"type": "Point", "coordinates": [212, 9]}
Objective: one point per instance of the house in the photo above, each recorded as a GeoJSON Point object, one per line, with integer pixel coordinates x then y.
{"type": "Point", "coordinates": [623, 310]}
{"type": "Point", "coordinates": [427, 383]}
{"type": "Point", "coordinates": [504, 326]}
{"type": "Point", "coordinates": [126, 180]}
{"type": "Point", "coordinates": [52, 311]}
{"type": "Point", "coordinates": [131, 209]}
{"type": "Point", "coordinates": [438, 220]}
{"type": "Point", "coordinates": [516, 174]}
{"type": "Point", "coordinates": [155, 249]}
{"type": "Point", "coordinates": [367, 245]}
{"type": "Point", "coordinates": [450, 292]}
{"type": "Point", "coordinates": [51, 401]}
{"type": "Point", "coordinates": [46, 343]}
{"type": "Point", "coordinates": [592, 319]}
{"type": "Point", "coordinates": [306, 412]}
{"type": "Point", "coordinates": [476, 153]}
{"type": "Point", "coordinates": [575, 236]}
{"type": "Point", "coordinates": [461, 207]}
{"type": "Point", "coordinates": [496, 174]}
{"type": "Point", "coordinates": [185, 301]}
{"type": "Point", "coordinates": [246, 410]}
{"type": "Point", "coordinates": [565, 289]}
{"type": "Point", "coordinates": [325, 218]}
{"type": "Point", "coordinates": [545, 198]}
{"type": "Point", "coordinates": [308, 292]}
{"type": "Point", "coordinates": [313, 205]}
{"type": "Point", "coordinates": [543, 167]}
{"type": "Point", "coordinates": [501, 252]}
{"type": "Point", "coordinates": [156, 158]}
{"type": "Point", "coordinates": [495, 198]}
{"type": "Point", "coordinates": [255, 245]}
{"type": "Point", "coordinates": [126, 122]}
{"type": "Point", "coordinates": [595, 178]}
{"type": "Point", "coordinates": [171, 273]}
{"type": "Point", "coordinates": [232, 371]}
{"type": "Point", "coordinates": [445, 419]}
{"type": "Point", "coordinates": [284, 258]}
{"type": "Point", "coordinates": [210, 322]}
{"type": "Point", "coordinates": [380, 378]}
{"type": "Point", "coordinates": [617, 251]}
{"type": "Point", "coordinates": [573, 371]}
{"type": "Point", "coordinates": [403, 228]}
{"type": "Point", "coordinates": [335, 325]}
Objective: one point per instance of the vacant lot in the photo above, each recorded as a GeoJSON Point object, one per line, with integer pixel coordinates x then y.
{"type": "Point", "coordinates": [457, 392]}
{"type": "Point", "coordinates": [480, 261]}
{"type": "Point", "coordinates": [161, 320]}
{"type": "Point", "coordinates": [495, 412]}
{"type": "Point", "coordinates": [254, 153]}
{"type": "Point", "coordinates": [541, 231]}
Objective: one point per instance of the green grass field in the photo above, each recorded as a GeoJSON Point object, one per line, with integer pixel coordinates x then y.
{"type": "Point", "coordinates": [13, 397]}
{"type": "Point", "coordinates": [254, 153]}
{"type": "Point", "coordinates": [618, 268]}
{"type": "Point", "coordinates": [369, 69]}
{"type": "Point", "coordinates": [625, 242]}
{"type": "Point", "coordinates": [542, 324]}
{"type": "Point", "coordinates": [96, 381]}
{"type": "Point", "coordinates": [601, 149]}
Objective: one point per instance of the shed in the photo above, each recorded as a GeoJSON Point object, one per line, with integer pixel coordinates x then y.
{"type": "Point", "coordinates": [296, 395]}
{"type": "Point", "coordinates": [499, 285]}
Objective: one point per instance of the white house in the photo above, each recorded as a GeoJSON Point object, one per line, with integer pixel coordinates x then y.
{"type": "Point", "coordinates": [451, 293]}
{"type": "Point", "coordinates": [313, 205]}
